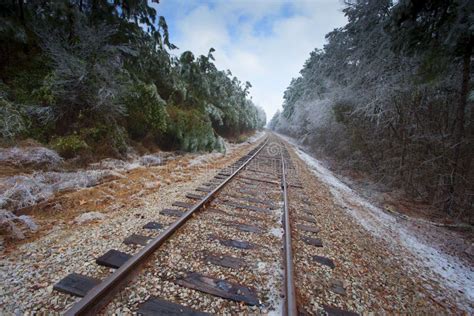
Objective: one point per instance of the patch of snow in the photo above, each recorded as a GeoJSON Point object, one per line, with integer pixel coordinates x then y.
{"type": "Point", "coordinates": [276, 272]}
{"type": "Point", "coordinates": [88, 217]}
{"type": "Point", "coordinates": [277, 232]}
{"type": "Point", "coordinates": [274, 285]}
{"type": "Point", "coordinates": [430, 262]}
{"type": "Point", "coordinates": [30, 156]}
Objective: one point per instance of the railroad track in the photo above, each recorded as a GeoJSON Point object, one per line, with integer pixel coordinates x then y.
{"type": "Point", "coordinates": [231, 245]}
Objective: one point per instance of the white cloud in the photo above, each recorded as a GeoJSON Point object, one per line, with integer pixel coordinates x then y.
{"type": "Point", "coordinates": [267, 60]}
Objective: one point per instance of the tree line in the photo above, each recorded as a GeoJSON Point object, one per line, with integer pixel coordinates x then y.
{"type": "Point", "coordinates": [391, 95]}
{"type": "Point", "coordinates": [94, 76]}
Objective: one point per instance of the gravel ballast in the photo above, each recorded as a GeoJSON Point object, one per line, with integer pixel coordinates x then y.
{"type": "Point", "coordinates": [339, 263]}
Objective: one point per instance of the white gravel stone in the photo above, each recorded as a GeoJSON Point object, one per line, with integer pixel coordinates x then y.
{"type": "Point", "coordinates": [88, 217]}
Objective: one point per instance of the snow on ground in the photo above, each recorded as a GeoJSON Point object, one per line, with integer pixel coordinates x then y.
{"type": "Point", "coordinates": [274, 283]}
{"type": "Point", "coordinates": [429, 262]}
{"type": "Point", "coordinates": [278, 273]}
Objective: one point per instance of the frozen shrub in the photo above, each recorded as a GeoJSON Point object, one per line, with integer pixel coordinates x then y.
{"type": "Point", "coordinates": [110, 163]}
{"type": "Point", "coordinates": [30, 156]}
{"type": "Point", "coordinates": [12, 122]}
{"type": "Point", "coordinates": [23, 191]}
{"type": "Point", "coordinates": [14, 226]}
{"type": "Point", "coordinates": [151, 160]}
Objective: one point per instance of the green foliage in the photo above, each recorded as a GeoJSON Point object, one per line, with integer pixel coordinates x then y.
{"type": "Point", "coordinates": [69, 146]}
{"type": "Point", "coordinates": [191, 130]}
{"type": "Point", "coordinates": [44, 94]}
{"type": "Point", "coordinates": [146, 111]}
{"type": "Point", "coordinates": [98, 72]}
{"type": "Point", "coordinates": [241, 139]}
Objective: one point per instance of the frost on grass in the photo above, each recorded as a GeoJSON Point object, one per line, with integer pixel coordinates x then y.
{"type": "Point", "coordinates": [151, 160]}
{"type": "Point", "coordinates": [26, 190]}
{"type": "Point", "coordinates": [30, 156]}
{"type": "Point", "coordinates": [113, 164]}
{"type": "Point", "coordinates": [203, 159]}
{"type": "Point", "coordinates": [15, 226]}
{"type": "Point", "coordinates": [21, 191]}
{"type": "Point", "coordinates": [429, 262]}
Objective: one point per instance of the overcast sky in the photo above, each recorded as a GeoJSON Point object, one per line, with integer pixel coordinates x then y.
{"type": "Point", "coordinates": [265, 42]}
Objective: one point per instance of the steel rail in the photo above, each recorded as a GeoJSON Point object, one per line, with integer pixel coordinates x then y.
{"type": "Point", "coordinates": [290, 296]}
{"type": "Point", "coordinates": [99, 296]}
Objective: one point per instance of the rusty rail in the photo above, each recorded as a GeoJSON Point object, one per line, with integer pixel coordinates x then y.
{"type": "Point", "coordinates": [290, 294]}
{"type": "Point", "coordinates": [102, 294]}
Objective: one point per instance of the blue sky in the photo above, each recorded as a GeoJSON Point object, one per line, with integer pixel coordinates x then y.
{"type": "Point", "coordinates": [264, 42]}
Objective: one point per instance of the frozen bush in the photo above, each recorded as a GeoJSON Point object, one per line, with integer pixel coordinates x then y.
{"type": "Point", "coordinates": [14, 226]}
{"type": "Point", "coordinates": [23, 191]}
{"type": "Point", "coordinates": [30, 156]}
{"type": "Point", "coordinates": [111, 163]}
{"type": "Point", "coordinates": [151, 160]}
{"type": "Point", "coordinates": [12, 121]}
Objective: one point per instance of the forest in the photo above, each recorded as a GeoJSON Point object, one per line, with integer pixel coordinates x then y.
{"type": "Point", "coordinates": [391, 96]}
{"type": "Point", "coordinates": [90, 78]}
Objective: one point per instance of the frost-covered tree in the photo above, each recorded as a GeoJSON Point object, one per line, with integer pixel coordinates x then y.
{"type": "Point", "coordinates": [89, 75]}
{"type": "Point", "coordinates": [440, 32]}
{"type": "Point", "coordinates": [388, 95]}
